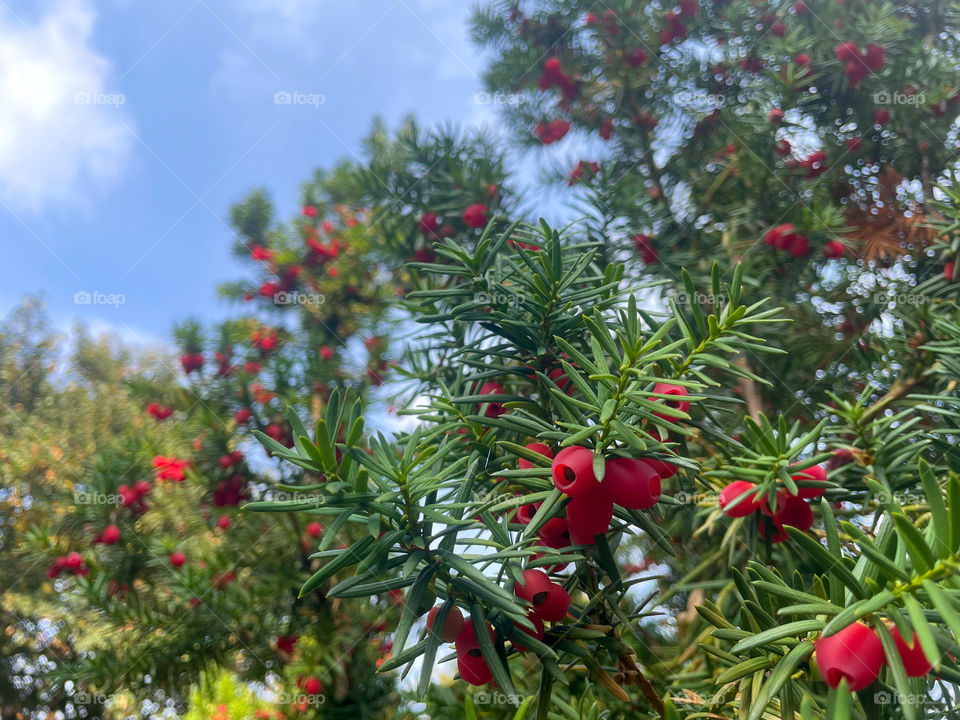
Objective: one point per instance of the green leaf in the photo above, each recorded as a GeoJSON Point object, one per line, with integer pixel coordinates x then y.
{"type": "Point", "coordinates": [781, 632]}
{"type": "Point", "coordinates": [938, 511]}
{"type": "Point", "coordinates": [778, 676]}
{"type": "Point", "coordinates": [922, 628]}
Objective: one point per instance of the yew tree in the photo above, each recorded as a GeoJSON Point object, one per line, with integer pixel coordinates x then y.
{"type": "Point", "coordinates": [694, 456]}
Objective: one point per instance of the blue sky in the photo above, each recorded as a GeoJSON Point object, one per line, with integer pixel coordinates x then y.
{"type": "Point", "coordinates": [128, 127]}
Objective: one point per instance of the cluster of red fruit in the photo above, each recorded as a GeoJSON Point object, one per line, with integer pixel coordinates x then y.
{"type": "Point", "coordinates": [856, 654]}
{"type": "Point", "coordinates": [133, 497]}
{"type": "Point", "coordinates": [169, 468]}
{"type": "Point", "coordinates": [553, 76]}
{"type": "Point", "coordinates": [231, 492]}
{"type": "Point", "coordinates": [859, 63]}
{"type": "Point", "coordinates": [583, 168]}
{"type": "Point", "coordinates": [72, 562]}
{"type": "Point", "coordinates": [551, 131]}
{"type": "Point", "coordinates": [158, 411]}
{"type": "Point", "coordinates": [646, 248]}
{"type": "Point", "coordinates": [739, 499]}
{"type": "Point", "coordinates": [549, 603]}
{"type": "Point", "coordinates": [785, 237]}
{"type": "Point", "coordinates": [191, 362]}
{"type": "Point", "coordinates": [110, 535]}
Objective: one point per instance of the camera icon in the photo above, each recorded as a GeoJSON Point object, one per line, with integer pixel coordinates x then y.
{"type": "Point", "coordinates": [482, 698]}
{"type": "Point", "coordinates": [82, 297]}
{"type": "Point", "coordinates": [481, 98]}
{"type": "Point", "coordinates": [281, 97]}
{"type": "Point", "coordinates": [82, 98]}
{"type": "Point", "coordinates": [481, 297]}
{"type": "Point", "coordinates": [682, 497]}
{"type": "Point", "coordinates": [282, 298]}
{"type": "Point", "coordinates": [881, 697]}
{"type": "Point", "coordinates": [881, 97]}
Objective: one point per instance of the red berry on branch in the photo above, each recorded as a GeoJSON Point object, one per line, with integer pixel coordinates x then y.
{"type": "Point", "coordinates": [572, 471]}
{"type": "Point", "coordinates": [536, 633]}
{"type": "Point", "coordinates": [589, 515]}
{"type": "Point", "coordinates": [451, 626]}
{"type": "Point", "coordinates": [223, 522]}
{"type": "Point", "coordinates": [673, 390]}
{"type": "Point", "coordinates": [815, 473]}
{"type": "Point", "coordinates": [309, 211]}
{"type": "Point", "coordinates": [475, 215]}
{"type": "Point", "coordinates": [177, 558]}
{"type": "Point", "coordinates": [775, 116]}
{"type": "Point", "coordinates": [242, 416]}
{"type": "Point", "coordinates": [733, 491]}
{"type": "Point", "coordinates": [110, 535]}
{"type": "Point", "coordinates": [539, 448]}
{"type": "Point", "coordinates": [428, 224]}
{"type": "Point", "coordinates": [535, 587]}
{"type": "Point", "coordinates": [881, 117]}
{"type": "Point", "coordinates": [314, 529]}
{"type": "Point", "coordinates": [631, 483]}
{"type": "Point", "coordinates": [636, 57]}
{"type": "Point", "coordinates": [854, 653]}
{"type": "Point", "coordinates": [914, 660]}
{"type": "Point", "coordinates": [312, 685]}
{"type": "Point", "coordinates": [948, 271]}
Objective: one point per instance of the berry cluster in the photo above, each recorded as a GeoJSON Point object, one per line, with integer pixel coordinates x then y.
{"type": "Point", "coordinates": [856, 655]}
{"type": "Point", "coordinates": [739, 499]}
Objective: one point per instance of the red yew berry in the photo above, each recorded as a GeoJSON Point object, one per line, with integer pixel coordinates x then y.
{"type": "Point", "coordinates": [674, 390]}
{"type": "Point", "coordinates": [473, 668]}
{"type": "Point", "coordinates": [731, 492]}
{"type": "Point", "coordinates": [589, 515]}
{"type": "Point", "coordinates": [223, 522]}
{"type": "Point", "coordinates": [309, 211]}
{"type": "Point", "coordinates": [833, 249]}
{"type": "Point", "coordinates": [539, 448]}
{"type": "Point", "coordinates": [494, 409]}
{"type": "Point", "coordinates": [551, 67]}
{"type": "Point", "coordinates": [854, 653]}
{"type": "Point", "coordinates": [775, 116]}
{"type": "Point", "coordinates": [286, 643]}
{"type": "Point", "coordinates": [644, 245]}
{"type": "Point", "coordinates": [428, 224]}
{"type": "Point", "coordinates": [802, 60]}
{"type": "Point", "coordinates": [841, 457]}
{"type": "Point", "coordinates": [242, 416]}
{"type": "Point", "coordinates": [177, 558]}
{"type": "Point", "coordinates": [782, 147]}
{"type": "Point", "coordinates": [535, 587]}
{"type": "Point", "coordinates": [794, 511]}
{"type": "Point", "coordinates": [536, 633]}
{"type": "Point", "coordinates": [326, 352]}
{"type": "Point", "coordinates": [636, 57]}
{"type": "Point", "coordinates": [314, 529]}
{"type": "Point", "coordinates": [631, 483]}
{"type": "Point", "coordinates": [801, 8]}
{"type": "Point", "coordinates": [451, 626]}
{"type": "Point", "coordinates": [814, 473]}
{"type": "Point", "coordinates": [312, 685]}
{"type": "Point", "coordinates": [73, 561]}
{"type": "Point", "coordinates": [778, 29]}
{"type": "Point", "coordinates": [475, 215]}
{"type": "Point", "coordinates": [948, 271]}
{"type": "Point", "coordinates": [914, 660]}
{"type": "Point", "coordinates": [689, 8]}
{"type": "Point", "coordinates": [556, 605]}
{"type": "Point", "coordinates": [881, 117]}
{"type": "Point", "coordinates": [110, 535]}
{"type": "Point", "coordinates": [572, 471]}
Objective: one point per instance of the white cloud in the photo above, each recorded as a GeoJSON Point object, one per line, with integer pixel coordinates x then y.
{"type": "Point", "coordinates": [62, 135]}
